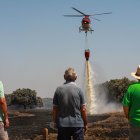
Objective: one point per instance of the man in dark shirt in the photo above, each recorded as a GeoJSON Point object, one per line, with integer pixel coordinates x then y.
{"type": "Point", "coordinates": [69, 111]}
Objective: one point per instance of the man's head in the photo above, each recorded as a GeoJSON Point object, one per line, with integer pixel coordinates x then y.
{"type": "Point", "coordinates": [70, 75]}
{"type": "Point", "coordinates": [136, 74]}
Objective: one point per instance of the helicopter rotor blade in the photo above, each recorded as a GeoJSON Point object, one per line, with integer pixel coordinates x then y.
{"type": "Point", "coordinates": [95, 19]}
{"type": "Point", "coordinates": [78, 11]}
{"type": "Point", "coordinates": [101, 14]}
{"type": "Point", "coordinates": [73, 15]}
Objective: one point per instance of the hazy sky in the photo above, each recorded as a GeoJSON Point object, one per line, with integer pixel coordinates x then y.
{"type": "Point", "coordinates": [37, 43]}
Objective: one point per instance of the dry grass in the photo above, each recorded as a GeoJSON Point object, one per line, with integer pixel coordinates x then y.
{"type": "Point", "coordinates": [30, 125]}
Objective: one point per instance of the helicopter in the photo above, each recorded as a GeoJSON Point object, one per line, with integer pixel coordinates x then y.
{"type": "Point", "coordinates": [86, 22]}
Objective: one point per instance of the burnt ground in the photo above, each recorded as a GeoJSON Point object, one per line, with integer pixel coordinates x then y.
{"type": "Point", "coordinates": [30, 124]}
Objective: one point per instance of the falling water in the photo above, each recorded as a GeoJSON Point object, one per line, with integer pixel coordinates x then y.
{"type": "Point", "coordinates": [97, 102]}
{"type": "Point", "coordinates": [89, 90]}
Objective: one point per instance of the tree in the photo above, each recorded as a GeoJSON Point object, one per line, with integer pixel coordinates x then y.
{"type": "Point", "coordinates": [8, 99]}
{"type": "Point", "coordinates": [39, 102]}
{"type": "Point", "coordinates": [25, 97]}
{"type": "Point", "coordinates": [117, 87]}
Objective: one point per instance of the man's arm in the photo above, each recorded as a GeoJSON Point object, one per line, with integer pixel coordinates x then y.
{"type": "Point", "coordinates": [126, 111]}
{"type": "Point", "coordinates": [3, 106]}
{"type": "Point", "coordinates": [84, 116]}
{"type": "Point", "coordinates": [55, 114]}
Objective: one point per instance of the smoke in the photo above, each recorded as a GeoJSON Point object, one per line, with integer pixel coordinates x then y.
{"type": "Point", "coordinates": [97, 97]}
{"type": "Point", "coordinates": [103, 105]}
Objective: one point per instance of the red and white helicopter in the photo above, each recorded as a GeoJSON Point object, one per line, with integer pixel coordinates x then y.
{"type": "Point", "coordinates": [85, 23]}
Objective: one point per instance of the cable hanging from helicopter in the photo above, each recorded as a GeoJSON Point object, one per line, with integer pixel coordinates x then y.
{"type": "Point", "coordinates": [86, 22]}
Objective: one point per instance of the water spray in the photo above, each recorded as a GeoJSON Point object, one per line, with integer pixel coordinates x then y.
{"type": "Point", "coordinates": [89, 77]}
{"type": "Point", "coordinates": [89, 90]}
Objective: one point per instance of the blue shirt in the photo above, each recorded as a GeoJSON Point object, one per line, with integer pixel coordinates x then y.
{"type": "Point", "coordinates": [1, 96]}
{"type": "Point", "coordinates": [69, 98]}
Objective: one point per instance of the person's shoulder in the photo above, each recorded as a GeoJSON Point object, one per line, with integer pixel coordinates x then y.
{"type": "Point", "coordinates": [134, 83]}
{"type": "Point", "coordinates": [59, 87]}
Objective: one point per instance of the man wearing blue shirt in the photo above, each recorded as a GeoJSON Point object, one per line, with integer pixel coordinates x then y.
{"type": "Point", "coordinates": [69, 111]}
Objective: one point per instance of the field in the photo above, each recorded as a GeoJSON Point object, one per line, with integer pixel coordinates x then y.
{"type": "Point", "coordinates": [30, 124]}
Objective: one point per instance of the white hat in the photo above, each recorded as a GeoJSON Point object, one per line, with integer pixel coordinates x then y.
{"type": "Point", "coordinates": [137, 73]}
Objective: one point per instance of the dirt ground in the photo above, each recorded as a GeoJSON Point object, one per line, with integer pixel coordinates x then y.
{"type": "Point", "coordinates": [30, 124]}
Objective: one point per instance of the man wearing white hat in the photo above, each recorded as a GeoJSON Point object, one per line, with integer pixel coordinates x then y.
{"type": "Point", "coordinates": [131, 106]}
